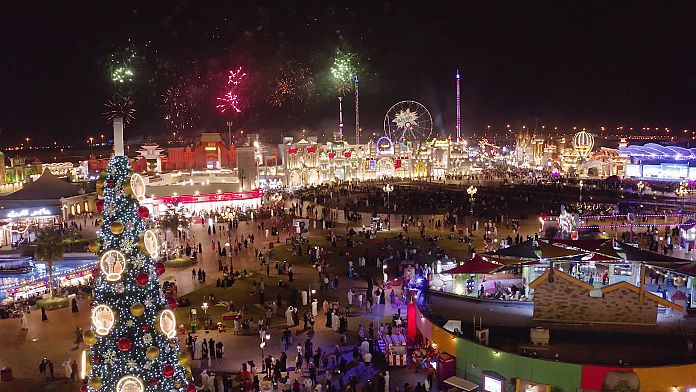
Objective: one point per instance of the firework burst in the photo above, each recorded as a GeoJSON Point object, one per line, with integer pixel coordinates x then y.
{"type": "Point", "coordinates": [294, 85]}
{"type": "Point", "coordinates": [230, 100]}
{"type": "Point", "coordinates": [343, 71]}
{"type": "Point", "coordinates": [180, 109]}
{"type": "Point", "coordinates": [120, 106]}
{"type": "Point", "coordinates": [122, 66]}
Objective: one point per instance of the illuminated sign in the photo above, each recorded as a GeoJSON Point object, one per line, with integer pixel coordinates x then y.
{"type": "Point", "coordinates": [24, 213]}
{"type": "Point", "coordinates": [211, 197]}
{"type": "Point", "coordinates": [491, 384]}
{"type": "Point", "coordinates": [385, 146]}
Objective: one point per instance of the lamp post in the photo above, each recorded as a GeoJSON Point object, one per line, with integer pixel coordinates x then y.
{"type": "Point", "coordinates": [641, 188]}
{"type": "Point", "coordinates": [682, 191]}
{"type": "Point", "coordinates": [388, 188]}
{"type": "Point", "coordinates": [471, 190]}
{"type": "Point", "coordinates": [262, 345]}
{"type": "Point", "coordinates": [205, 314]}
{"type": "Point", "coordinates": [229, 133]}
{"type": "Point", "coordinates": [581, 184]}
{"type": "Point", "coordinates": [91, 144]}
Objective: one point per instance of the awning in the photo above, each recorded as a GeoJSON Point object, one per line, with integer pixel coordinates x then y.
{"type": "Point", "coordinates": [652, 258]}
{"type": "Point", "coordinates": [461, 383]}
{"type": "Point", "coordinates": [523, 250]}
{"type": "Point", "coordinates": [477, 265]}
{"type": "Point", "coordinates": [549, 251]}
{"type": "Point", "coordinates": [591, 245]}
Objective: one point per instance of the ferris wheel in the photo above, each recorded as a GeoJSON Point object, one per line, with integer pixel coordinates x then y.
{"type": "Point", "coordinates": [408, 121]}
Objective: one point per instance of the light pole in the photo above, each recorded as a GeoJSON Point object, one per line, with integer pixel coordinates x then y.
{"type": "Point", "coordinates": [229, 133]}
{"type": "Point", "coordinates": [388, 188]}
{"type": "Point", "coordinates": [471, 190]}
{"type": "Point", "coordinates": [581, 184]}
{"type": "Point", "coordinates": [91, 144]}
{"type": "Point", "coordinates": [641, 188]}
{"type": "Point", "coordinates": [262, 345]}
{"type": "Point", "coordinates": [682, 191]}
{"type": "Point", "coordinates": [102, 138]}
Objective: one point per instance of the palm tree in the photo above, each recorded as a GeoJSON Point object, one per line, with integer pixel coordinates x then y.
{"type": "Point", "coordinates": [49, 247]}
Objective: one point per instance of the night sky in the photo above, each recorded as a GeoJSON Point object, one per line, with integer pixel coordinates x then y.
{"type": "Point", "coordinates": [555, 63]}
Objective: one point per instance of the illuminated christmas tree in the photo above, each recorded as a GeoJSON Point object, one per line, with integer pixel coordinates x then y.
{"type": "Point", "coordinates": [134, 347]}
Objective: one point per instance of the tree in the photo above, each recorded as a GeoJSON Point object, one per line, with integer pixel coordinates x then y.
{"type": "Point", "coordinates": [49, 248]}
{"type": "Point", "coordinates": [133, 337]}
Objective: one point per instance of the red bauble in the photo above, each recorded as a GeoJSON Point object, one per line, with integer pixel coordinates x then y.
{"type": "Point", "coordinates": [143, 212]}
{"type": "Point", "coordinates": [100, 205]}
{"type": "Point", "coordinates": [171, 301]}
{"type": "Point", "coordinates": [110, 184]}
{"type": "Point", "coordinates": [124, 344]}
{"type": "Point", "coordinates": [159, 267]}
{"type": "Point", "coordinates": [146, 328]}
{"type": "Point", "coordinates": [154, 381]}
{"type": "Point", "coordinates": [95, 359]}
{"type": "Point", "coordinates": [190, 388]}
{"type": "Point", "coordinates": [95, 273]}
{"type": "Point", "coordinates": [168, 370]}
{"type": "Point", "coordinates": [142, 279]}
{"type": "Point", "coordinates": [84, 388]}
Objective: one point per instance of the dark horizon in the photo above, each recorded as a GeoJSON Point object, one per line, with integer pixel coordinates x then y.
{"type": "Point", "coordinates": [584, 64]}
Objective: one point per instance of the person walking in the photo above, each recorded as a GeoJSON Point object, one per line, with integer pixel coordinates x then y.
{"type": "Point", "coordinates": [44, 317]}
{"type": "Point", "coordinates": [78, 337]}
{"type": "Point", "coordinates": [73, 304]}
{"type": "Point", "coordinates": [23, 322]}
{"type": "Point", "coordinates": [42, 368]}
{"type": "Point", "coordinates": [51, 369]}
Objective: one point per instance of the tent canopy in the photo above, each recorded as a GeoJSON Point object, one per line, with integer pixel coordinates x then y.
{"type": "Point", "coordinates": [523, 250]}
{"type": "Point", "coordinates": [46, 187]}
{"type": "Point", "coordinates": [477, 265]}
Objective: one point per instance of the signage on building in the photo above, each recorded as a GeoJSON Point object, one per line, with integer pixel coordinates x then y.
{"type": "Point", "coordinates": [29, 213]}
{"type": "Point", "coordinates": [211, 197]}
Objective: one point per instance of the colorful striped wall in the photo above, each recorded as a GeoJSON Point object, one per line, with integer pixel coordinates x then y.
{"type": "Point", "coordinates": [474, 359]}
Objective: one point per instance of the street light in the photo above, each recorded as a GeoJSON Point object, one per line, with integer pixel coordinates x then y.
{"type": "Point", "coordinates": [682, 191]}
{"type": "Point", "coordinates": [262, 345]}
{"type": "Point", "coordinates": [471, 190]}
{"type": "Point", "coordinates": [388, 188]}
{"type": "Point", "coordinates": [581, 184]}
{"type": "Point", "coordinates": [102, 138]}
{"type": "Point", "coordinates": [91, 144]}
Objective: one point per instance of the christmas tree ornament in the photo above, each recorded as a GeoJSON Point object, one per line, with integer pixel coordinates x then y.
{"type": "Point", "coordinates": [130, 383]}
{"type": "Point", "coordinates": [160, 268]}
{"type": "Point", "coordinates": [83, 388]}
{"type": "Point", "coordinates": [89, 337]}
{"type": "Point", "coordinates": [152, 353]}
{"type": "Point", "coordinates": [99, 203]}
{"type": "Point", "coordinates": [112, 263]}
{"type": "Point", "coordinates": [137, 309]}
{"type": "Point", "coordinates": [103, 319]}
{"type": "Point", "coordinates": [149, 244]}
{"type": "Point", "coordinates": [171, 302]}
{"type": "Point", "coordinates": [154, 381]}
{"type": "Point", "coordinates": [94, 246]}
{"type": "Point", "coordinates": [95, 382]}
{"type": "Point", "coordinates": [184, 359]}
{"type": "Point", "coordinates": [142, 279]}
{"type": "Point", "coordinates": [168, 371]}
{"type": "Point", "coordinates": [119, 288]}
{"type": "Point", "coordinates": [191, 388]}
{"type": "Point", "coordinates": [143, 212]}
{"type": "Point", "coordinates": [124, 344]}
{"type": "Point", "coordinates": [100, 187]}
{"type": "Point", "coordinates": [110, 183]}
{"type": "Point", "coordinates": [135, 186]}
{"type": "Point", "coordinates": [116, 227]}
{"type": "Point", "coordinates": [166, 323]}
